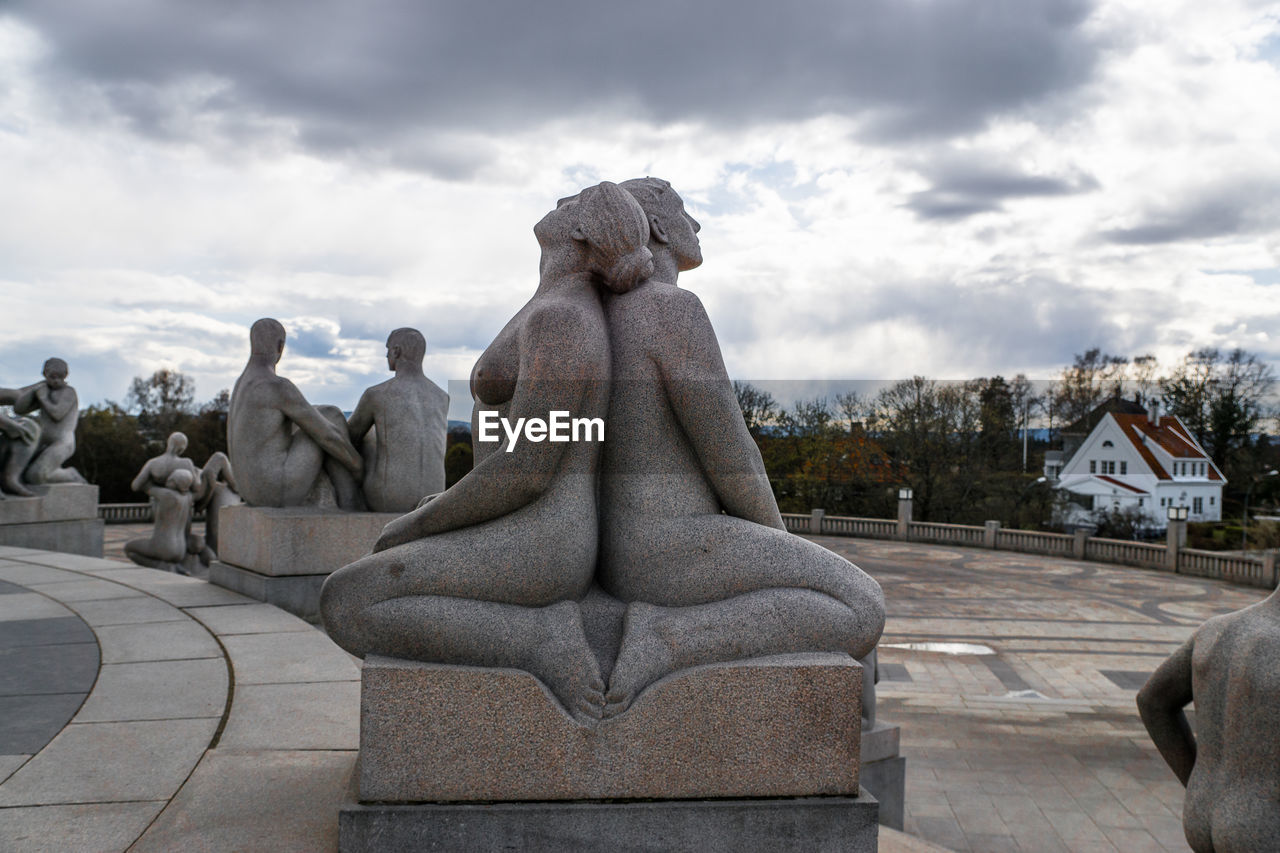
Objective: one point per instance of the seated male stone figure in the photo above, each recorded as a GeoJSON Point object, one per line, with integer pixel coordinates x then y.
{"type": "Point", "coordinates": [402, 425]}
{"type": "Point", "coordinates": [1231, 765]}
{"type": "Point", "coordinates": [690, 533]}
{"type": "Point", "coordinates": [169, 543]}
{"type": "Point", "coordinates": [57, 410]}
{"type": "Point", "coordinates": [280, 445]}
{"type": "Point", "coordinates": [19, 440]}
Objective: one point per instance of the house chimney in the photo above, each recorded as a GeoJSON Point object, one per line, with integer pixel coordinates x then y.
{"type": "Point", "coordinates": [1153, 412]}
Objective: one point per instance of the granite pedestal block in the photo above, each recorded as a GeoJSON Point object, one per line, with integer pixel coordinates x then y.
{"type": "Point", "coordinates": [884, 772]}
{"type": "Point", "coordinates": [62, 517]}
{"type": "Point", "coordinates": [282, 555]}
{"type": "Point", "coordinates": [784, 726]}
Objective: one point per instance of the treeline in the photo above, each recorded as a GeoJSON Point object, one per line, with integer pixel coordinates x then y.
{"type": "Point", "coordinates": [113, 440]}
{"type": "Point", "coordinates": [959, 446]}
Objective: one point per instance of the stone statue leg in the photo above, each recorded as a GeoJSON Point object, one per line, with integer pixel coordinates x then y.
{"type": "Point", "coordinates": [141, 552]}
{"type": "Point", "coordinates": [346, 488]}
{"type": "Point", "coordinates": [727, 589]}
{"type": "Point", "coordinates": [489, 595]}
{"type": "Point", "coordinates": [20, 454]}
{"type": "Point", "coordinates": [47, 466]}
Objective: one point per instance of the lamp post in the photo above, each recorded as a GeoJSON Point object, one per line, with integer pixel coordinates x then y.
{"type": "Point", "coordinates": [1176, 536]}
{"type": "Point", "coordinates": [904, 512]}
{"type": "Point", "coordinates": [1244, 519]}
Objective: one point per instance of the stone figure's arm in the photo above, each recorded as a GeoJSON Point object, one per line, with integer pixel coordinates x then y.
{"type": "Point", "coordinates": [59, 406]}
{"type": "Point", "coordinates": [25, 402]}
{"type": "Point", "coordinates": [504, 482]}
{"type": "Point", "coordinates": [144, 476]}
{"type": "Point", "coordinates": [8, 396]}
{"type": "Point", "coordinates": [361, 420]}
{"type": "Point", "coordinates": [703, 401]}
{"type": "Point", "coordinates": [331, 439]}
{"type": "Point", "coordinates": [1160, 703]}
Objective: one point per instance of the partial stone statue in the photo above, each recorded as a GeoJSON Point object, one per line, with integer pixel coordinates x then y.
{"type": "Point", "coordinates": [283, 448]}
{"type": "Point", "coordinates": [695, 564]}
{"type": "Point", "coordinates": [19, 440]}
{"type": "Point", "coordinates": [401, 426]}
{"type": "Point", "coordinates": [1231, 764]}
{"type": "Point", "coordinates": [691, 537]}
{"type": "Point", "coordinates": [489, 573]}
{"type": "Point", "coordinates": [56, 411]}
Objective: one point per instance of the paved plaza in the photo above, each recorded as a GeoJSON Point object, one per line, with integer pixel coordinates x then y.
{"type": "Point", "coordinates": [138, 707]}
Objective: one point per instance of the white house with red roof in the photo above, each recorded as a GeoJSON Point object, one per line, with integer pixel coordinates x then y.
{"type": "Point", "coordinates": [1145, 461]}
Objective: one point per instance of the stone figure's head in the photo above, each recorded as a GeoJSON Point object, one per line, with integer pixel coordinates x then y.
{"type": "Point", "coordinates": [266, 338]}
{"type": "Point", "coordinates": [180, 480]}
{"type": "Point", "coordinates": [407, 344]}
{"type": "Point", "coordinates": [55, 373]}
{"type": "Point", "coordinates": [609, 227]}
{"type": "Point", "coordinates": [669, 224]}
{"type": "Point", "coordinates": [177, 443]}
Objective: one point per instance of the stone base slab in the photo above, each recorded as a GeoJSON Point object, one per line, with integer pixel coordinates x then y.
{"type": "Point", "coordinates": [54, 502]}
{"type": "Point", "coordinates": [783, 726]}
{"type": "Point", "coordinates": [78, 536]}
{"type": "Point", "coordinates": [880, 741]}
{"type": "Point", "coordinates": [298, 594]}
{"type": "Point", "coordinates": [704, 826]}
{"type": "Point", "coordinates": [886, 779]}
{"type": "Point", "coordinates": [282, 541]}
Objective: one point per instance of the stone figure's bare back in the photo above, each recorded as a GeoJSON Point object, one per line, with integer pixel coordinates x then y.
{"type": "Point", "coordinates": [173, 516]}
{"type": "Point", "coordinates": [259, 436]}
{"type": "Point", "coordinates": [52, 430]}
{"type": "Point", "coordinates": [1233, 795]}
{"type": "Point", "coordinates": [410, 416]}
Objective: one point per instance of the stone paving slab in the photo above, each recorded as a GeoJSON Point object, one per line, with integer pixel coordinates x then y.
{"type": "Point", "coordinates": [10, 763]}
{"type": "Point", "coordinates": [27, 574]}
{"type": "Point", "coordinates": [288, 657]}
{"type": "Point", "coordinates": [30, 722]}
{"type": "Point", "coordinates": [259, 800]}
{"type": "Point", "coordinates": [127, 611]}
{"type": "Point", "coordinates": [157, 690]}
{"type": "Point", "coordinates": [82, 589]}
{"type": "Point", "coordinates": [54, 630]}
{"type": "Point", "coordinates": [58, 829]}
{"type": "Point", "coordinates": [156, 641]}
{"type": "Point", "coordinates": [249, 619]}
{"type": "Point", "coordinates": [111, 762]}
{"type": "Point", "coordinates": [67, 668]}
{"type": "Point", "coordinates": [317, 715]}
{"type": "Point", "coordinates": [29, 605]}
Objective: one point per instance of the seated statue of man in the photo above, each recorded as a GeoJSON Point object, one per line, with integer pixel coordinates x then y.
{"type": "Point", "coordinates": [1231, 765]}
{"type": "Point", "coordinates": [167, 546]}
{"type": "Point", "coordinates": [280, 445]}
{"type": "Point", "coordinates": [57, 410]}
{"type": "Point", "coordinates": [402, 425]}
{"type": "Point", "coordinates": [19, 440]}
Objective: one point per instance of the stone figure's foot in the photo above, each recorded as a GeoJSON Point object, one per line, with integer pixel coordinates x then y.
{"type": "Point", "coordinates": [643, 658]}
{"type": "Point", "coordinates": [14, 487]}
{"type": "Point", "coordinates": [564, 662]}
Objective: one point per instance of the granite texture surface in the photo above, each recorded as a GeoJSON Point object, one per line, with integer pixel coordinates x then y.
{"type": "Point", "coordinates": [279, 541]}
{"type": "Point", "coordinates": [784, 726]}
{"type": "Point", "coordinates": [53, 502]}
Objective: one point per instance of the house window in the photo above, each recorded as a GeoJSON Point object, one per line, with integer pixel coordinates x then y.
{"type": "Point", "coordinates": [1140, 500]}
{"type": "Point", "coordinates": [1124, 467]}
{"type": "Point", "coordinates": [1111, 467]}
{"type": "Point", "coordinates": [1210, 500]}
{"type": "Point", "coordinates": [1197, 505]}
{"type": "Point", "coordinates": [1093, 466]}
{"type": "Point", "coordinates": [1107, 443]}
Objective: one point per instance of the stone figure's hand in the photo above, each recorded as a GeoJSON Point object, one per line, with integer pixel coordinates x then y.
{"type": "Point", "coordinates": [428, 499]}
{"type": "Point", "coordinates": [397, 532]}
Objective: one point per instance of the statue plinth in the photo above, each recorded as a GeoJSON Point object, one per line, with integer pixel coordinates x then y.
{"type": "Point", "coordinates": [764, 748]}
{"type": "Point", "coordinates": [884, 771]}
{"type": "Point", "coordinates": [62, 517]}
{"type": "Point", "coordinates": [282, 555]}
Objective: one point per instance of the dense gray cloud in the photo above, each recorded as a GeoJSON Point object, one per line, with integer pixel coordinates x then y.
{"type": "Point", "coordinates": [963, 187]}
{"type": "Point", "coordinates": [1234, 207]}
{"type": "Point", "coordinates": [372, 77]}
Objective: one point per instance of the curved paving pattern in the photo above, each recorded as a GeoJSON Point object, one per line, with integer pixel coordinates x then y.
{"type": "Point", "coordinates": [1037, 747]}
{"type": "Point", "coordinates": [215, 722]}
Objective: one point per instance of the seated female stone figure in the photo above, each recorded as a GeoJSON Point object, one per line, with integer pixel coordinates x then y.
{"type": "Point", "coordinates": [691, 536]}
{"type": "Point", "coordinates": [488, 573]}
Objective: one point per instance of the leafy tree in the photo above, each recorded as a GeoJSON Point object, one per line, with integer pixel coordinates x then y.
{"type": "Point", "coordinates": [457, 463]}
{"type": "Point", "coordinates": [161, 401]}
{"type": "Point", "coordinates": [109, 451]}
{"type": "Point", "coordinates": [1221, 399]}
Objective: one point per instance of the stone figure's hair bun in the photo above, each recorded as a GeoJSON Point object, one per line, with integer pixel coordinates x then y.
{"type": "Point", "coordinates": [629, 270]}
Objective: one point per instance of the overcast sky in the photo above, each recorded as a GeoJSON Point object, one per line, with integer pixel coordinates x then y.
{"type": "Point", "coordinates": [952, 188]}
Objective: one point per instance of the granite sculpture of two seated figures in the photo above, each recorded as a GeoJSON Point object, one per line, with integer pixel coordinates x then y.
{"type": "Point", "coordinates": [601, 567]}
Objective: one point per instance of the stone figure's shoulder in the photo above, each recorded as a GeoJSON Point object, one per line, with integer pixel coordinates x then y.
{"type": "Point", "coordinates": [560, 318]}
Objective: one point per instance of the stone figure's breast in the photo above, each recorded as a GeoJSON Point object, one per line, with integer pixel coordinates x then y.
{"type": "Point", "coordinates": [493, 379]}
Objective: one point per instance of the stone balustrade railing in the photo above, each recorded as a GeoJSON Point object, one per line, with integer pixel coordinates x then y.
{"type": "Point", "coordinates": [1259, 571]}
{"type": "Point", "coordinates": [138, 513]}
